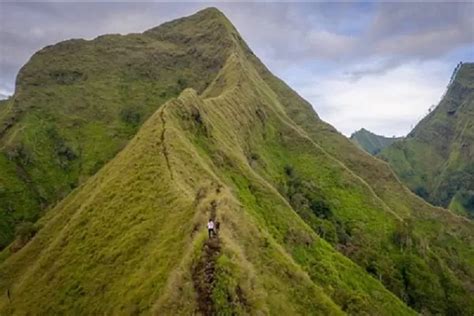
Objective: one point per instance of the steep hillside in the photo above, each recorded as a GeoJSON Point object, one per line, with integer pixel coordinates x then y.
{"type": "Point", "coordinates": [370, 142]}
{"type": "Point", "coordinates": [310, 224]}
{"type": "Point", "coordinates": [436, 160]}
{"type": "Point", "coordinates": [416, 265]}
{"type": "Point", "coordinates": [77, 103]}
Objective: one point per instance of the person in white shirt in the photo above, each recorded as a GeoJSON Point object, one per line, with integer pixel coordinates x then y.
{"type": "Point", "coordinates": [210, 228]}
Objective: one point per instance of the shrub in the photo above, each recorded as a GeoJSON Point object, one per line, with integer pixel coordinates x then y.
{"type": "Point", "coordinates": [467, 199]}
{"type": "Point", "coordinates": [321, 209]}
{"type": "Point", "coordinates": [289, 171]}
{"type": "Point", "coordinates": [181, 84]}
{"type": "Point", "coordinates": [403, 234]}
{"type": "Point", "coordinates": [421, 192]}
{"type": "Point", "coordinates": [23, 234]}
{"type": "Point", "coordinates": [67, 77]}
{"type": "Point", "coordinates": [422, 286]}
{"type": "Point", "coordinates": [19, 153]}
{"type": "Point", "coordinates": [61, 148]}
{"type": "Point", "coordinates": [65, 152]}
{"type": "Point", "coordinates": [327, 231]}
{"type": "Point", "coordinates": [130, 116]}
{"type": "Point", "coordinates": [25, 231]}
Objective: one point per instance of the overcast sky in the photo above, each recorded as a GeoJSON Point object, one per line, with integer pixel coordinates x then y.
{"type": "Point", "coordinates": [373, 65]}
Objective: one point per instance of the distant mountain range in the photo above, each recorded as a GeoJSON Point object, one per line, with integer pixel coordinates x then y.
{"type": "Point", "coordinates": [370, 142]}
{"type": "Point", "coordinates": [436, 160]}
{"type": "Point", "coordinates": [115, 152]}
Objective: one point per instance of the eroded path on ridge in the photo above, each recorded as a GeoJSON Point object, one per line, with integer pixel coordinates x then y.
{"type": "Point", "coordinates": [204, 271]}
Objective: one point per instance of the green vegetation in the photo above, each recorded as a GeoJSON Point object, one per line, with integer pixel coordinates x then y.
{"type": "Point", "coordinates": [371, 142]}
{"type": "Point", "coordinates": [77, 103]}
{"type": "Point", "coordinates": [309, 223]}
{"type": "Point", "coordinates": [436, 159]}
{"type": "Point", "coordinates": [463, 203]}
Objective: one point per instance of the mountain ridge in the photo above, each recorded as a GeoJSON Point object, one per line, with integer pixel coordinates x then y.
{"type": "Point", "coordinates": [435, 160]}
{"type": "Point", "coordinates": [370, 142]}
{"type": "Point", "coordinates": [59, 103]}
{"type": "Point", "coordinates": [317, 224]}
{"type": "Point", "coordinates": [185, 105]}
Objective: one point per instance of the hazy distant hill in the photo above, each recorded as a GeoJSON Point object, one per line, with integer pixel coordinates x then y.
{"type": "Point", "coordinates": [436, 160]}
{"type": "Point", "coordinates": [310, 224]}
{"type": "Point", "coordinates": [370, 142]}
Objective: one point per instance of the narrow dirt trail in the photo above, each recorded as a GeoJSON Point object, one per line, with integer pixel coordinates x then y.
{"type": "Point", "coordinates": [163, 141]}
{"type": "Point", "coordinates": [204, 278]}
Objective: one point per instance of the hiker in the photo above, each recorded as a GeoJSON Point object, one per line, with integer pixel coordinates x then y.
{"type": "Point", "coordinates": [210, 228]}
{"type": "Point", "coordinates": [218, 224]}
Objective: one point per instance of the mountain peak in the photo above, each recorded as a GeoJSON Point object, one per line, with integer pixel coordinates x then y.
{"type": "Point", "coordinates": [207, 20]}
{"type": "Point", "coordinates": [210, 11]}
{"type": "Point", "coordinates": [359, 131]}
{"type": "Point", "coordinates": [464, 74]}
{"type": "Point", "coordinates": [371, 142]}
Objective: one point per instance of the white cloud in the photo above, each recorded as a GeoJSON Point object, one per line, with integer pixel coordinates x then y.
{"type": "Point", "coordinates": [5, 94]}
{"type": "Point", "coordinates": [388, 103]}
{"type": "Point", "coordinates": [329, 45]}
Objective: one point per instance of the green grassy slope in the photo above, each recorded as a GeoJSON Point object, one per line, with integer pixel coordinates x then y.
{"type": "Point", "coordinates": [310, 223]}
{"type": "Point", "coordinates": [428, 227]}
{"type": "Point", "coordinates": [436, 160]}
{"type": "Point", "coordinates": [77, 103]}
{"type": "Point", "coordinates": [371, 142]}
{"type": "Point", "coordinates": [129, 239]}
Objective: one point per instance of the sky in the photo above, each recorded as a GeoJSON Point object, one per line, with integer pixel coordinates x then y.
{"type": "Point", "coordinates": [376, 65]}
